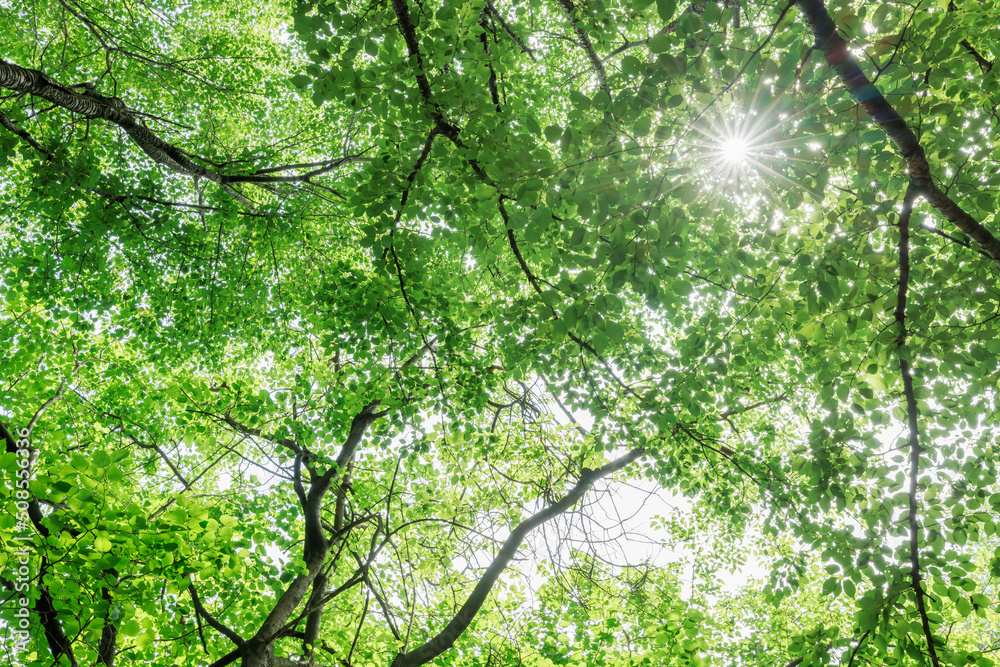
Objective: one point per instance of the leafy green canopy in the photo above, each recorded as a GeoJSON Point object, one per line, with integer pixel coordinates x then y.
{"type": "Point", "coordinates": [319, 317]}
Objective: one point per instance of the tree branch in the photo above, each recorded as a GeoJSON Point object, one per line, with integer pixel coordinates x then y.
{"type": "Point", "coordinates": [503, 24]}
{"type": "Point", "coordinates": [441, 642]}
{"type": "Point", "coordinates": [10, 126]}
{"type": "Point", "coordinates": [108, 645]}
{"type": "Point", "coordinates": [220, 627]}
{"type": "Point", "coordinates": [112, 110]}
{"type": "Point", "coordinates": [912, 413]}
{"type": "Point", "coordinates": [315, 544]}
{"type": "Point", "coordinates": [588, 46]}
{"type": "Point", "coordinates": [864, 92]}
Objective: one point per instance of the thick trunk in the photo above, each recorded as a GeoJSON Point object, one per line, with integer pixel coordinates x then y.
{"type": "Point", "coordinates": [258, 655]}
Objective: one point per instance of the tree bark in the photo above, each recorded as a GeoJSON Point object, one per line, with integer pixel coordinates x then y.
{"type": "Point", "coordinates": [110, 109]}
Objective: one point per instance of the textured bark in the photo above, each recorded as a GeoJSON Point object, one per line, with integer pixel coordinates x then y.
{"type": "Point", "coordinates": [320, 585]}
{"type": "Point", "coordinates": [588, 46]}
{"type": "Point", "coordinates": [838, 56]}
{"type": "Point", "coordinates": [315, 617]}
{"type": "Point", "coordinates": [112, 110]}
{"type": "Point", "coordinates": [56, 638]}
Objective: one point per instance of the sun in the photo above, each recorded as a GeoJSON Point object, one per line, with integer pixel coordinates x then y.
{"type": "Point", "coordinates": [735, 151]}
{"type": "Point", "coordinates": [743, 149]}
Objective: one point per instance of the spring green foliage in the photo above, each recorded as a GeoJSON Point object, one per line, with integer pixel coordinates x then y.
{"type": "Point", "coordinates": [509, 233]}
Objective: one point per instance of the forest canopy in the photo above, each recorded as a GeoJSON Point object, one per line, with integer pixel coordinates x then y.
{"type": "Point", "coordinates": [484, 333]}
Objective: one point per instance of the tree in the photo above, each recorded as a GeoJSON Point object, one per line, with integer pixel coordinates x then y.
{"type": "Point", "coordinates": [336, 345]}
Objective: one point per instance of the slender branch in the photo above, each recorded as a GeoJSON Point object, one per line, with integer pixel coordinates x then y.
{"type": "Point", "coordinates": [257, 433]}
{"type": "Point", "coordinates": [321, 164]}
{"type": "Point", "coordinates": [984, 64]}
{"type": "Point", "coordinates": [9, 124]}
{"type": "Point", "coordinates": [912, 414]}
{"type": "Point", "coordinates": [729, 412]}
{"type": "Point", "coordinates": [45, 406]}
{"type": "Point", "coordinates": [260, 177]}
{"type": "Point", "coordinates": [357, 632]}
{"type": "Point", "coordinates": [503, 24]}
{"type": "Point", "coordinates": [424, 153]}
{"type": "Point", "coordinates": [219, 626]}
{"type": "Point", "coordinates": [166, 459]}
{"type": "Point", "coordinates": [857, 647]}
{"type": "Point", "coordinates": [946, 235]}
{"type": "Point", "coordinates": [492, 82]}
{"type": "Point", "coordinates": [386, 612]}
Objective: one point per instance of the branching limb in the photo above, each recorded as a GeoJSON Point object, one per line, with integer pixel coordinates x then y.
{"type": "Point", "coordinates": [257, 433]}
{"type": "Point", "coordinates": [441, 642]}
{"type": "Point", "coordinates": [506, 27]}
{"type": "Point", "coordinates": [985, 65]}
{"type": "Point", "coordinates": [113, 110]}
{"type": "Point", "coordinates": [945, 235]}
{"type": "Point", "coordinates": [217, 625]}
{"type": "Point", "coordinates": [413, 48]}
{"type": "Point", "coordinates": [315, 545]}
{"type": "Point", "coordinates": [492, 82]}
{"type": "Point", "coordinates": [386, 611]}
{"type": "Point", "coordinates": [864, 92]}
{"type": "Point", "coordinates": [262, 176]}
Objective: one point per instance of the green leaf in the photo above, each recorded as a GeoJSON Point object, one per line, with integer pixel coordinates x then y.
{"type": "Point", "coordinates": [101, 459]}
{"type": "Point", "coordinates": [659, 43]}
{"type": "Point", "coordinates": [130, 628]}
{"type": "Point", "coordinates": [666, 9]}
{"type": "Point", "coordinates": [963, 606]}
{"type": "Point", "coordinates": [102, 543]}
{"type": "Point", "coordinates": [435, 310]}
{"type": "Point", "coordinates": [80, 462]}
